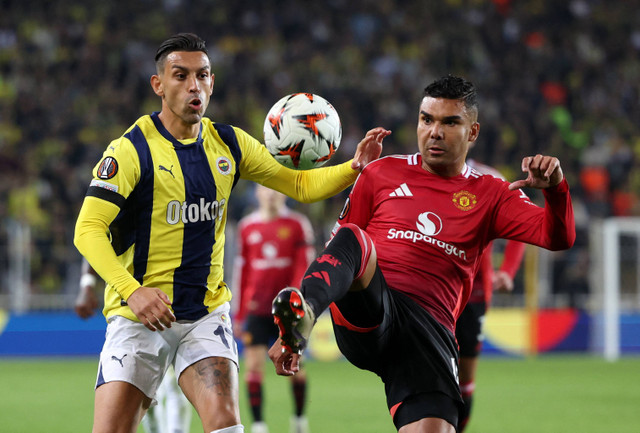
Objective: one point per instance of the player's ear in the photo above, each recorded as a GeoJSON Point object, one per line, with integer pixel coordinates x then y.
{"type": "Point", "coordinates": [474, 132]}
{"type": "Point", "coordinates": [156, 85]}
{"type": "Point", "coordinates": [213, 78]}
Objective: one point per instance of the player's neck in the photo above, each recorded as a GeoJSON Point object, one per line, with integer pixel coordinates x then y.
{"type": "Point", "coordinates": [179, 129]}
{"type": "Point", "coordinates": [268, 213]}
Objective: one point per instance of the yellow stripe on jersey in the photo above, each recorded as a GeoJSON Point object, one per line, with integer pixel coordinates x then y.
{"type": "Point", "coordinates": [156, 210]}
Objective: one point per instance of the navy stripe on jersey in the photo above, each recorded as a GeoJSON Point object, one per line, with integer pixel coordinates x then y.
{"type": "Point", "coordinates": [133, 223]}
{"type": "Point", "coordinates": [228, 135]}
{"type": "Point", "coordinates": [190, 278]}
{"type": "Point", "coordinates": [107, 195]}
{"type": "Point", "coordinates": [166, 134]}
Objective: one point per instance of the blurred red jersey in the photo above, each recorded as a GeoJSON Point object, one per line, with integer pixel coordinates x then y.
{"type": "Point", "coordinates": [482, 289]}
{"type": "Point", "coordinates": [430, 231]}
{"type": "Point", "coordinates": [273, 254]}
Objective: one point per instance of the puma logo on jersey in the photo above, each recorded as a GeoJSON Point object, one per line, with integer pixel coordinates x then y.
{"type": "Point", "coordinates": [115, 358]}
{"type": "Point", "coordinates": [168, 170]}
{"type": "Point", "coordinates": [194, 212]}
{"type": "Point", "coordinates": [402, 191]}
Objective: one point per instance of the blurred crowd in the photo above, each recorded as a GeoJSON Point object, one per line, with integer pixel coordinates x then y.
{"type": "Point", "coordinates": [560, 78]}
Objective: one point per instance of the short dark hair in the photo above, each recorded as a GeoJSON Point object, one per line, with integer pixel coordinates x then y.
{"type": "Point", "coordinates": [179, 42]}
{"type": "Point", "coordinates": [452, 87]}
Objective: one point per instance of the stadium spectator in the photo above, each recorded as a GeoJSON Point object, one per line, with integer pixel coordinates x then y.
{"type": "Point", "coordinates": [275, 247]}
{"type": "Point", "coordinates": [65, 70]}
{"type": "Point", "coordinates": [405, 249]}
{"type": "Point", "coordinates": [469, 333]}
{"type": "Point", "coordinates": [152, 226]}
{"type": "Point", "coordinates": [172, 413]}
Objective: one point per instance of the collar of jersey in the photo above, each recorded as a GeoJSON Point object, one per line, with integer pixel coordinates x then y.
{"type": "Point", "coordinates": [166, 134]}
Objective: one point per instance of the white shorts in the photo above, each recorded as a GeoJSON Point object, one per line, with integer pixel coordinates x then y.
{"type": "Point", "coordinates": [134, 354]}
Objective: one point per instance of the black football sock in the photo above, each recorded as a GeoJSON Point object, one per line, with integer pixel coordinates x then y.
{"type": "Point", "coordinates": [331, 274]}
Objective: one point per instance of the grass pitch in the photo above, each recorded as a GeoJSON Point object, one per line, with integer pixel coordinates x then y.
{"type": "Point", "coordinates": [545, 394]}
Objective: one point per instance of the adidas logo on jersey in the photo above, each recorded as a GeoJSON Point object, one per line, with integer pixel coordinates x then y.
{"type": "Point", "coordinates": [402, 191]}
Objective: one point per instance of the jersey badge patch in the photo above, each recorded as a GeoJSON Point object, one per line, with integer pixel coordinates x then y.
{"type": "Point", "coordinates": [464, 200]}
{"type": "Point", "coordinates": [224, 165]}
{"type": "Point", "coordinates": [284, 233]}
{"type": "Point", "coordinates": [108, 168]}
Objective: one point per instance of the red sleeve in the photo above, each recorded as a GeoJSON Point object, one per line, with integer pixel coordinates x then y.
{"type": "Point", "coordinates": [513, 253]}
{"type": "Point", "coordinates": [551, 227]}
{"type": "Point", "coordinates": [486, 274]}
{"type": "Point", "coordinates": [358, 208]}
{"type": "Point", "coordinates": [303, 253]}
{"type": "Point", "coordinates": [239, 270]}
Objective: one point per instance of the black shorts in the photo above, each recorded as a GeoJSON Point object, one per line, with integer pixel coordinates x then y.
{"type": "Point", "coordinates": [259, 331]}
{"type": "Point", "coordinates": [469, 329]}
{"type": "Point", "coordinates": [386, 332]}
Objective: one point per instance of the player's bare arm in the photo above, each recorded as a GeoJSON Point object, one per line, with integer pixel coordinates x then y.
{"type": "Point", "coordinates": [150, 306]}
{"type": "Point", "coordinates": [369, 148]}
{"type": "Point", "coordinates": [286, 363]}
{"type": "Point", "coordinates": [542, 172]}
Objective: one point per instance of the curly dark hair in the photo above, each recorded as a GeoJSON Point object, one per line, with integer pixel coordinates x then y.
{"type": "Point", "coordinates": [452, 87]}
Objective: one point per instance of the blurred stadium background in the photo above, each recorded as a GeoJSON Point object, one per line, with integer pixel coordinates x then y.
{"type": "Point", "coordinates": [561, 78]}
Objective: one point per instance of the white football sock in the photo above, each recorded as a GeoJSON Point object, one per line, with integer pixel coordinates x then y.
{"type": "Point", "coordinates": [233, 429]}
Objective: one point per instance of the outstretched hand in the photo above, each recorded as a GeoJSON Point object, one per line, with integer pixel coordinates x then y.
{"type": "Point", "coordinates": [286, 363]}
{"type": "Point", "coordinates": [542, 172]}
{"type": "Point", "coordinates": [150, 305]}
{"type": "Point", "coordinates": [369, 148]}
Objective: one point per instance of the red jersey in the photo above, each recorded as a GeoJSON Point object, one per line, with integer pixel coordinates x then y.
{"type": "Point", "coordinates": [272, 254]}
{"type": "Point", "coordinates": [482, 289]}
{"type": "Point", "coordinates": [430, 231]}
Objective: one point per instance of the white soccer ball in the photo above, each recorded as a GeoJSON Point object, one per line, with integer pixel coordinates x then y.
{"type": "Point", "coordinates": [302, 131]}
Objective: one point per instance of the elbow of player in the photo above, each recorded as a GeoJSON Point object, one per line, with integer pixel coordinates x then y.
{"type": "Point", "coordinates": [565, 242]}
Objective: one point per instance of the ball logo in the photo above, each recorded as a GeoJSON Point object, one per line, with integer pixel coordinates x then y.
{"type": "Point", "coordinates": [107, 168]}
{"type": "Point", "coordinates": [429, 224]}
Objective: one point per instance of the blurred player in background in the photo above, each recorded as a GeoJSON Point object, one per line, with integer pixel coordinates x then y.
{"type": "Point", "coordinates": [172, 413]}
{"type": "Point", "coordinates": [409, 240]}
{"type": "Point", "coordinates": [152, 226]}
{"type": "Point", "coordinates": [275, 247]}
{"type": "Point", "coordinates": [469, 325]}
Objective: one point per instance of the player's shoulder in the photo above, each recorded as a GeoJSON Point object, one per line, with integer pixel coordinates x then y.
{"type": "Point", "coordinates": [392, 162]}
{"type": "Point", "coordinates": [293, 215]}
{"type": "Point", "coordinates": [249, 219]}
{"type": "Point", "coordinates": [484, 169]}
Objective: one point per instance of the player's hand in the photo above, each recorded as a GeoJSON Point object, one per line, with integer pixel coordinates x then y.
{"type": "Point", "coordinates": [369, 148]}
{"type": "Point", "coordinates": [150, 305]}
{"type": "Point", "coordinates": [542, 172]}
{"type": "Point", "coordinates": [86, 303]}
{"type": "Point", "coordinates": [502, 281]}
{"type": "Point", "coordinates": [286, 363]}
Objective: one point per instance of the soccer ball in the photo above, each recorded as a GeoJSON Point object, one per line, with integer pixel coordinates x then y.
{"type": "Point", "coordinates": [302, 131]}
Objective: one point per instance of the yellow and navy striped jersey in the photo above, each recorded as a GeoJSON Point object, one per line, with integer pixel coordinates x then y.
{"type": "Point", "coordinates": [156, 209]}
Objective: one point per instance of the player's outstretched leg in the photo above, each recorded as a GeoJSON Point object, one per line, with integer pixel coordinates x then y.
{"type": "Point", "coordinates": [328, 279]}
{"type": "Point", "coordinates": [294, 318]}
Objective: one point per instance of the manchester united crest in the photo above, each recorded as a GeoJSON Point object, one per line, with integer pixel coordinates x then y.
{"type": "Point", "coordinates": [464, 200]}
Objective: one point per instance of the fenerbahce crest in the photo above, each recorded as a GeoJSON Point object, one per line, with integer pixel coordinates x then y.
{"type": "Point", "coordinates": [464, 200]}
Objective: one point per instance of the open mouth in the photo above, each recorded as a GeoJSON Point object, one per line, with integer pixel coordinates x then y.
{"type": "Point", "coordinates": [195, 104]}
